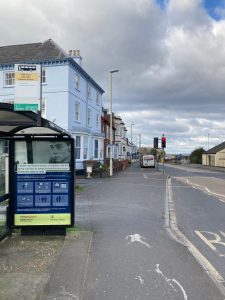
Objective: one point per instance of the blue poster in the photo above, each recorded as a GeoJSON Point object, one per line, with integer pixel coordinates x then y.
{"type": "Point", "coordinates": [43, 195]}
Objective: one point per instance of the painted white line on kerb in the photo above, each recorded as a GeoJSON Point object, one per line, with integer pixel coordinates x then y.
{"type": "Point", "coordinates": [181, 238]}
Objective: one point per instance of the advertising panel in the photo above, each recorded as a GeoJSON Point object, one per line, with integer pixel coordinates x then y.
{"type": "Point", "coordinates": [43, 179]}
{"type": "Point", "coordinates": [27, 87]}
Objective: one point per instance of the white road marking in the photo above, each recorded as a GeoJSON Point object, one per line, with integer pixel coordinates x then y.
{"type": "Point", "coordinates": [181, 238]}
{"type": "Point", "coordinates": [188, 169]}
{"type": "Point", "coordinates": [203, 188]}
{"type": "Point", "coordinates": [182, 289]}
{"type": "Point", "coordinates": [168, 280]}
{"type": "Point", "coordinates": [158, 271]}
{"type": "Point", "coordinates": [145, 176]}
{"type": "Point", "coordinates": [141, 280]}
{"type": "Point", "coordinates": [137, 238]}
{"type": "Point", "coordinates": [211, 242]}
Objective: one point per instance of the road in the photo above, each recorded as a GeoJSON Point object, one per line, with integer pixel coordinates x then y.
{"type": "Point", "coordinates": [133, 254]}
{"type": "Point", "coordinates": [199, 201]}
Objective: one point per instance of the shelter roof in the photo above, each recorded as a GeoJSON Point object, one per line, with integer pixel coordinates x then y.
{"type": "Point", "coordinates": [25, 123]}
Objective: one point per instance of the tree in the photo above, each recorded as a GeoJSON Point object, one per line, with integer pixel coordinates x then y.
{"type": "Point", "coordinates": [153, 151]}
{"type": "Point", "coordinates": [196, 156]}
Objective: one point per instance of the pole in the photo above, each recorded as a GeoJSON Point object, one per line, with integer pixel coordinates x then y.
{"type": "Point", "coordinates": [163, 159]}
{"type": "Point", "coordinates": [111, 138]}
{"type": "Point", "coordinates": [111, 121]}
{"type": "Point", "coordinates": [39, 113]}
{"type": "Point", "coordinates": [208, 141]}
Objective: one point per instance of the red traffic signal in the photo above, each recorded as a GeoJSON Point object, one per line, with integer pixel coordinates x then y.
{"type": "Point", "coordinates": [163, 142]}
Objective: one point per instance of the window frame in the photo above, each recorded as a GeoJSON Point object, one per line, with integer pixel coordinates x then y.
{"type": "Point", "coordinates": [96, 149]}
{"type": "Point", "coordinates": [97, 99]}
{"type": "Point", "coordinates": [44, 76]}
{"type": "Point", "coordinates": [5, 74]}
{"type": "Point", "coordinates": [78, 147]}
{"type": "Point", "coordinates": [77, 81]}
{"type": "Point", "coordinates": [89, 118]}
{"type": "Point", "coordinates": [77, 112]}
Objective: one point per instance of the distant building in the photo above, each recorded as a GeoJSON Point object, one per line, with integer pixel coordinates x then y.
{"type": "Point", "coordinates": [71, 97]}
{"type": "Point", "coordinates": [214, 156]}
{"type": "Point", "coordinates": [120, 137]}
{"type": "Point", "coordinates": [106, 132]}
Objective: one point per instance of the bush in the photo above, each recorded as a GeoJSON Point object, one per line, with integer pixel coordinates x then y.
{"type": "Point", "coordinates": [196, 156]}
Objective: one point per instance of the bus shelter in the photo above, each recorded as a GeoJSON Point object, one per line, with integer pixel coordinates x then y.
{"type": "Point", "coordinates": [40, 172]}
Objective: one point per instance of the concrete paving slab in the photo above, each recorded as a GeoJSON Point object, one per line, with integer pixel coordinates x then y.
{"type": "Point", "coordinates": [43, 267]}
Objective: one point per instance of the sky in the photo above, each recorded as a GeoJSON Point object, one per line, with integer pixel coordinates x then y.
{"type": "Point", "coordinates": [170, 55]}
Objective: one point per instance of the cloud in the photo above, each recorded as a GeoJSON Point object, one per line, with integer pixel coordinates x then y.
{"type": "Point", "coordinates": [171, 60]}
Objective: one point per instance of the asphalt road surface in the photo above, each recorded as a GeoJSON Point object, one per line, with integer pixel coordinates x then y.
{"type": "Point", "coordinates": [199, 202]}
{"type": "Point", "coordinates": [133, 255]}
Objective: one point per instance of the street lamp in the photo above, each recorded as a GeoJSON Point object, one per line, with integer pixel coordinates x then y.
{"type": "Point", "coordinates": [131, 132]}
{"type": "Point", "coordinates": [131, 140]}
{"type": "Point", "coordinates": [111, 121]}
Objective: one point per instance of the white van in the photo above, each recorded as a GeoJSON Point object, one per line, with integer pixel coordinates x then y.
{"type": "Point", "coordinates": [148, 161]}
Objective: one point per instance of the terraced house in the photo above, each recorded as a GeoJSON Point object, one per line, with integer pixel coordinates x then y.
{"type": "Point", "coordinates": [71, 97]}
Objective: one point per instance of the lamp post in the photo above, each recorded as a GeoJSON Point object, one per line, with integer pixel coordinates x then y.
{"type": "Point", "coordinates": [111, 120]}
{"type": "Point", "coordinates": [131, 140]}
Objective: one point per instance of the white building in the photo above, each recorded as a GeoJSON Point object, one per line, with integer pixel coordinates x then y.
{"type": "Point", "coordinates": [120, 137]}
{"type": "Point", "coordinates": [71, 97]}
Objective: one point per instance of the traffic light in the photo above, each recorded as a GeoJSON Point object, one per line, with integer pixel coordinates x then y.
{"type": "Point", "coordinates": [163, 141]}
{"type": "Point", "coordinates": [156, 143]}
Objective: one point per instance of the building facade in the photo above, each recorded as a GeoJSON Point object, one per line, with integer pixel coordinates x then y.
{"type": "Point", "coordinates": [70, 97]}
{"type": "Point", "coordinates": [120, 137]}
{"type": "Point", "coordinates": [215, 156]}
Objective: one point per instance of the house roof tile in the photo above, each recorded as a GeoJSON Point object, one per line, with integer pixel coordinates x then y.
{"type": "Point", "coordinates": [216, 149]}
{"type": "Point", "coordinates": [31, 52]}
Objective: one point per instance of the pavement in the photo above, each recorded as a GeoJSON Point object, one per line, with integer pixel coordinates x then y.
{"type": "Point", "coordinates": [44, 267]}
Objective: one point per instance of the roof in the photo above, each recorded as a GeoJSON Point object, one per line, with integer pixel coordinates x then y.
{"type": "Point", "coordinates": [38, 53]}
{"type": "Point", "coordinates": [25, 123]}
{"type": "Point", "coordinates": [216, 149]}
{"type": "Point", "coordinates": [31, 52]}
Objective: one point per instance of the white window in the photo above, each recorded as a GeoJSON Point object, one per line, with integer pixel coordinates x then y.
{"type": "Point", "coordinates": [95, 148]}
{"type": "Point", "coordinates": [120, 149]}
{"type": "Point", "coordinates": [101, 149]}
{"type": "Point", "coordinates": [77, 144]}
{"type": "Point", "coordinates": [85, 148]}
{"type": "Point", "coordinates": [77, 81]}
{"type": "Point", "coordinates": [97, 121]}
{"type": "Point", "coordinates": [115, 152]}
{"type": "Point", "coordinates": [97, 98]}
{"type": "Point", "coordinates": [9, 79]}
{"type": "Point", "coordinates": [117, 129]}
{"type": "Point", "coordinates": [121, 132]}
{"type": "Point", "coordinates": [89, 91]}
{"type": "Point", "coordinates": [108, 152]}
{"type": "Point", "coordinates": [77, 111]}
{"type": "Point", "coordinates": [89, 117]}
{"type": "Point", "coordinates": [43, 77]}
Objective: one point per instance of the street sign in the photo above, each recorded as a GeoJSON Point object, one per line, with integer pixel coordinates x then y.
{"type": "Point", "coordinates": [27, 87]}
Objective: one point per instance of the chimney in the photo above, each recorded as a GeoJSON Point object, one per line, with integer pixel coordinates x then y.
{"type": "Point", "coordinates": [75, 54]}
